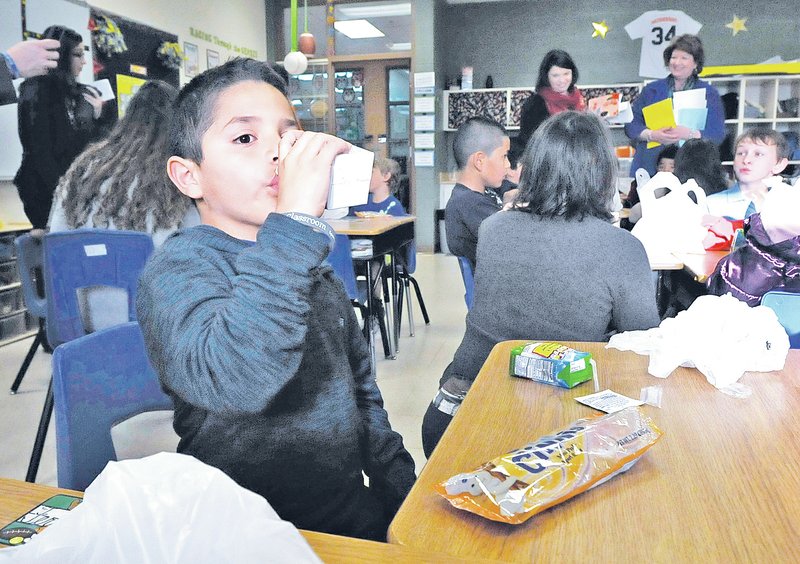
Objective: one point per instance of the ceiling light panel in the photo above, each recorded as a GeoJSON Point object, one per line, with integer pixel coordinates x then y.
{"type": "Point", "coordinates": [357, 29]}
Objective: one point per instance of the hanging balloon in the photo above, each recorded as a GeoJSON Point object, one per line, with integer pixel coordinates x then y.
{"type": "Point", "coordinates": [319, 108]}
{"type": "Point", "coordinates": [295, 62]}
{"type": "Point", "coordinates": [307, 43]}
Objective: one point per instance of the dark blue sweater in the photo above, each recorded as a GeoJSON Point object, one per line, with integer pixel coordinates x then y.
{"type": "Point", "coordinates": [262, 354]}
{"type": "Point", "coordinates": [655, 92]}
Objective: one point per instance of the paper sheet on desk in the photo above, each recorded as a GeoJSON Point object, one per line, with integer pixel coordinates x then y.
{"type": "Point", "coordinates": [185, 510]}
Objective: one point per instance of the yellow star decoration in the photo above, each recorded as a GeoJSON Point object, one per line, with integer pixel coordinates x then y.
{"type": "Point", "coordinates": [600, 28]}
{"type": "Point", "coordinates": [737, 24]}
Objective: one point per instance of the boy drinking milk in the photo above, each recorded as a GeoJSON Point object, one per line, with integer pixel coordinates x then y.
{"type": "Point", "coordinates": [250, 331]}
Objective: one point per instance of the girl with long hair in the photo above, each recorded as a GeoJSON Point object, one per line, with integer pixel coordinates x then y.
{"type": "Point", "coordinates": [121, 182]}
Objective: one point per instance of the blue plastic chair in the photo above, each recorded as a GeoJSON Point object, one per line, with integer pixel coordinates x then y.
{"type": "Point", "coordinates": [469, 282]}
{"type": "Point", "coordinates": [341, 259]}
{"type": "Point", "coordinates": [99, 380]}
{"type": "Point", "coordinates": [30, 258]}
{"type": "Point", "coordinates": [80, 259]}
{"type": "Point", "coordinates": [786, 306]}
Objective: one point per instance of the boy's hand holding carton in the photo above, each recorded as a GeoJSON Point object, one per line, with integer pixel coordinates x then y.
{"type": "Point", "coordinates": [304, 169]}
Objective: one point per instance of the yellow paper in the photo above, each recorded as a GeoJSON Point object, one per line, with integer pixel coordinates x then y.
{"type": "Point", "coordinates": [658, 116]}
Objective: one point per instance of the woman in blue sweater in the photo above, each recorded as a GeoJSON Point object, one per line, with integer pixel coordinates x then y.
{"type": "Point", "coordinates": [685, 59]}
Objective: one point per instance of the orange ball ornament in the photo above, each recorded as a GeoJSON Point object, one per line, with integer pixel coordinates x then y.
{"type": "Point", "coordinates": [307, 44]}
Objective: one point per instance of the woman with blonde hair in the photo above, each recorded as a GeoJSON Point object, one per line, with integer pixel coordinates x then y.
{"type": "Point", "coordinates": [121, 182]}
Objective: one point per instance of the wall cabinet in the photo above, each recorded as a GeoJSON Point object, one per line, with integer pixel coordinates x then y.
{"type": "Point", "coordinates": [15, 322]}
{"type": "Point", "coordinates": [750, 100]}
{"type": "Point", "coordinates": [504, 105]}
{"type": "Point", "coordinates": [767, 101]}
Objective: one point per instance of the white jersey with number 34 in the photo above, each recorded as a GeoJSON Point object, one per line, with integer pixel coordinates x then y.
{"type": "Point", "coordinates": [657, 28]}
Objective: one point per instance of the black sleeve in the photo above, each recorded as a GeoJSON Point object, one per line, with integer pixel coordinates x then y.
{"type": "Point", "coordinates": [38, 103]}
{"type": "Point", "coordinates": [7, 93]}
{"type": "Point", "coordinates": [534, 112]}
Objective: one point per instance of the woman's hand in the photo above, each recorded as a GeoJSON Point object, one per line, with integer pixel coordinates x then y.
{"type": "Point", "coordinates": [304, 170]}
{"type": "Point", "coordinates": [95, 101]}
{"type": "Point", "coordinates": [683, 132]}
{"type": "Point", "coordinates": [665, 136]}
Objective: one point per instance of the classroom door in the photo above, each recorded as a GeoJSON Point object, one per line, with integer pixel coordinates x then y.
{"type": "Point", "coordinates": [372, 109]}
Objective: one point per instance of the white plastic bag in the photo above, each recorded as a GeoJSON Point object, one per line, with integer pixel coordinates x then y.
{"type": "Point", "coordinates": [719, 335]}
{"type": "Point", "coordinates": [672, 223]}
{"type": "Point", "coordinates": [162, 509]}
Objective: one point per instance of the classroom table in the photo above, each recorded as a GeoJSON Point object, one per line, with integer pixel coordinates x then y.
{"type": "Point", "coordinates": [722, 485]}
{"type": "Point", "coordinates": [701, 266]}
{"type": "Point", "coordinates": [388, 234]}
{"type": "Point", "coordinates": [17, 497]}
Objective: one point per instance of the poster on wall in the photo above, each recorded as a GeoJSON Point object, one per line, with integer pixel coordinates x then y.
{"type": "Point", "coordinates": [656, 29]}
{"type": "Point", "coordinates": [127, 87]}
{"type": "Point", "coordinates": [192, 54]}
{"type": "Point", "coordinates": [212, 59]}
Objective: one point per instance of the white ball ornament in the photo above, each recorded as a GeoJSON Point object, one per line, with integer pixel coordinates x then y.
{"type": "Point", "coordinates": [295, 62]}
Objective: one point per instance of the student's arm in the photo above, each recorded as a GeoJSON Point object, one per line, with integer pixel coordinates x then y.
{"type": "Point", "coordinates": [38, 102]}
{"type": "Point", "coordinates": [534, 112]}
{"type": "Point", "coordinates": [479, 208]}
{"type": "Point", "coordinates": [230, 345]}
{"type": "Point", "coordinates": [634, 128]}
{"type": "Point", "coordinates": [634, 294]}
{"type": "Point", "coordinates": [7, 93]}
{"type": "Point", "coordinates": [387, 463]}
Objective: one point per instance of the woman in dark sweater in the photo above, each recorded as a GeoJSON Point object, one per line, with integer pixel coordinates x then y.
{"type": "Point", "coordinates": [58, 117]}
{"type": "Point", "coordinates": [555, 93]}
{"type": "Point", "coordinates": [553, 267]}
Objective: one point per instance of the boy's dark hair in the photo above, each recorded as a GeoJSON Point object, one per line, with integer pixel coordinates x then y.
{"type": "Point", "coordinates": [194, 110]}
{"type": "Point", "coordinates": [667, 152]}
{"type": "Point", "coordinates": [568, 169]}
{"type": "Point", "coordinates": [556, 58]}
{"type": "Point", "coordinates": [688, 44]}
{"type": "Point", "coordinates": [699, 159]}
{"type": "Point", "coordinates": [515, 152]}
{"type": "Point", "coordinates": [768, 137]}
{"type": "Point", "coordinates": [476, 134]}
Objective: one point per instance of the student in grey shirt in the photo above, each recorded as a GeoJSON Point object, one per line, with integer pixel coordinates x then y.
{"type": "Point", "coordinates": [553, 267]}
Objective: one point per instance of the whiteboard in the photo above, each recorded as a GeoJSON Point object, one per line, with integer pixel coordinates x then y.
{"type": "Point", "coordinates": [39, 15]}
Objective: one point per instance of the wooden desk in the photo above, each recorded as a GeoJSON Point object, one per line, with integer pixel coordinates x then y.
{"type": "Point", "coordinates": [722, 485]}
{"type": "Point", "coordinates": [18, 497]}
{"type": "Point", "coordinates": [388, 234]}
{"type": "Point", "coordinates": [700, 267]}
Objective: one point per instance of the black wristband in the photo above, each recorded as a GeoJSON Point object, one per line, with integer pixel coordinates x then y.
{"type": "Point", "coordinates": [314, 223]}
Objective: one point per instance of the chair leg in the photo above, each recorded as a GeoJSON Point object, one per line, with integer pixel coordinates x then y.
{"type": "Point", "coordinates": [420, 300]}
{"type": "Point", "coordinates": [41, 435]}
{"type": "Point", "coordinates": [384, 334]}
{"type": "Point", "coordinates": [400, 295]}
{"type": "Point", "coordinates": [410, 307]}
{"type": "Point", "coordinates": [37, 340]}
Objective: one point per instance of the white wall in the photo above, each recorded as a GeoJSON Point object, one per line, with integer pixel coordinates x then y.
{"type": "Point", "coordinates": [239, 23]}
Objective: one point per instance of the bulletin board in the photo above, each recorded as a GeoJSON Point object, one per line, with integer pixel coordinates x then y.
{"type": "Point", "coordinates": [139, 63]}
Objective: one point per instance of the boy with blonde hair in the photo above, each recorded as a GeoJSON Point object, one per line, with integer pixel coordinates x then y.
{"type": "Point", "coordinates": [760, 153]}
